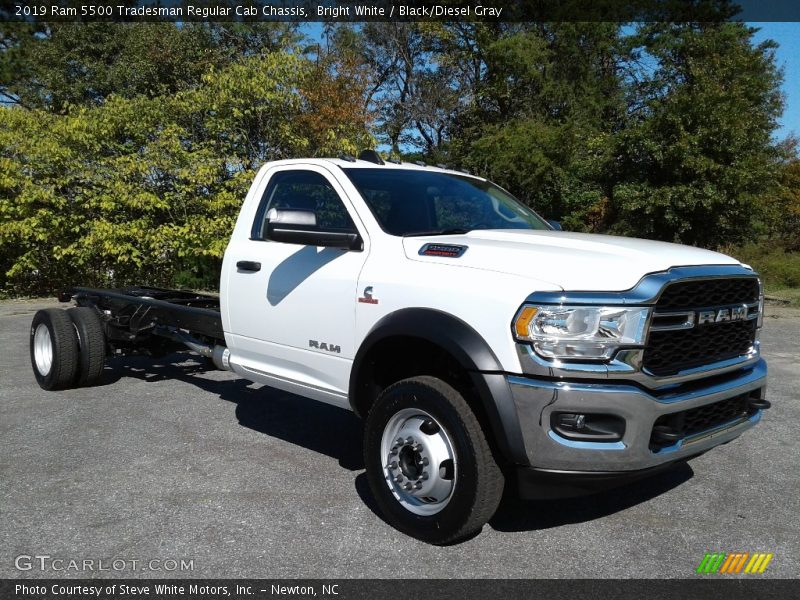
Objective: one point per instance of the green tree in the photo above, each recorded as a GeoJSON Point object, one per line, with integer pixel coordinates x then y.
{"type": "Point", "coordinates": [125, 153]}
{"type": "Point", "coordinates": [57, 65]}
{"type": "Point", "coordinates": [545, 104]}
{"type": "Point", "coordinates": [143, 189]}
{"type": "Point", "coordinates": [410, 100]}
{"type": "Point", "coordinates": [697, 155]}
{"type": "Point", "coordinates": [784, 206]}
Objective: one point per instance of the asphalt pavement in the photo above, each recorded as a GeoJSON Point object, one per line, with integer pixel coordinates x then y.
{"type": "Point", "coordinates": [169, 461]}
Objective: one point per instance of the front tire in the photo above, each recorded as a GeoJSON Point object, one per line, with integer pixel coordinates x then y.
{"type": "Point", "coordinates": [54, 349]}
{"type": "Point", "coordinates": [428, 463]}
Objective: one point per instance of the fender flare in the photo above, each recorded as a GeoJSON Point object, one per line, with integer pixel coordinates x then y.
{"type": "Point", "coordinates": [474, 355]}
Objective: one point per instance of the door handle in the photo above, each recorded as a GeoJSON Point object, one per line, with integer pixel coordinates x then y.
{"type": "Point", "coordinates": [248, 265]}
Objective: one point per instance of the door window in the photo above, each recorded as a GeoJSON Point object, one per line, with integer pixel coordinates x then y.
{"type": "Point", "coordinates": [304, 190]}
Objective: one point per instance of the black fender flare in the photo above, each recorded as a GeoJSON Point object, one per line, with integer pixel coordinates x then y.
{"type": "Point", "coordinates": [474, 355]}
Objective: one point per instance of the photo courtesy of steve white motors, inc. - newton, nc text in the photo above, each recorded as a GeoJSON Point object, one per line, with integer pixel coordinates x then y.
{"type": "Point", "coordinates": [465, 299]}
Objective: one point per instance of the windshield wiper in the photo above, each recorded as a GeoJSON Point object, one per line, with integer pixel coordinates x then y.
{"type": "Point", "coordinates": [452, 231]}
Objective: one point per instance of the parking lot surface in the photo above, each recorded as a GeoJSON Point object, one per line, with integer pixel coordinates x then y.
{"type": "Point", "coordinates": [168, 461]}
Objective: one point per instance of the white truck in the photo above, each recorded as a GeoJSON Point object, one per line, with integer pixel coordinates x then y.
{"type": "Point", "coordinates": [481, 345]}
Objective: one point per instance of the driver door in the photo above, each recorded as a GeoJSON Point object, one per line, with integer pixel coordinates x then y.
{"type": "Point", "coordinates": [292, 322]}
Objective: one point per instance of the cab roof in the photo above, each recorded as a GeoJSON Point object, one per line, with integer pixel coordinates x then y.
{"type": "Point", "coordinates": [357, 163]}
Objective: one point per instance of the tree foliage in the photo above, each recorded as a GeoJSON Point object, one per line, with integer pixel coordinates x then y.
{"type": "Point", "coordinates": [783, 206]}
{"type": "Point", "coordinates": [546, 108]}
{"type": "Point", "coordinates": [54, 66]}
{"type": "Point", "coordinates": [125, 150]}
{"type": "Point", "coordinates": [144, 188]}
{"type": "Point", "coordinates": [697, 157]}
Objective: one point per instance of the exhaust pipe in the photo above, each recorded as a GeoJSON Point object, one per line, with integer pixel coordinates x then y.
{"type": "Point", "coordinates": [220, 355]}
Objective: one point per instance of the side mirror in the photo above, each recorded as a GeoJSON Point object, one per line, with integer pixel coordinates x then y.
{"type": "Point", "coordinates": [554, 224]}
{"type": "Point", "coordinates": [293, 226]}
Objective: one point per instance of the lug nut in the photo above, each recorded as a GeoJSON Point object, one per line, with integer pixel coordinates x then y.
{"type": "Point", "coordinates": [425, 461]}
{"type": "Point", "coordinates": [399, 478]}
{"type": "Point", "coordinates": [409, 440]}
{"type": "Point", "coordinates": [393, 464]}
{"type": "Point", "coordinates": [418, 485]}
{"type": "Point", "coordinates": [399, 441]}
{"type": "Point", "coordinates": [407, 487]}
{"type": "Point", "coordinates": [424, 476]}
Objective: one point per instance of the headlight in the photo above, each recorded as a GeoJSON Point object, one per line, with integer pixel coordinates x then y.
{"type": "Point", "coordinates": [580, 332]}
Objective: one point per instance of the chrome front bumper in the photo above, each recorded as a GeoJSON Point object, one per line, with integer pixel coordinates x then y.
{"type": "Point", "coordinates": [536, 399]}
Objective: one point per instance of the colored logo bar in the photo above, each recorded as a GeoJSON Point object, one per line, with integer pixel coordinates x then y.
{"type": "Point", "coordinates": [731, 563]}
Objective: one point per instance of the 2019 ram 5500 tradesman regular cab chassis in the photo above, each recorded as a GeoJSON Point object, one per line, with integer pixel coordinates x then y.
{"type": "Point", "coordinates": [478, 343]}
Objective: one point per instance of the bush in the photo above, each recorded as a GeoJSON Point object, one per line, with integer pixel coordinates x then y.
{"type": "Point", "coordinates": [778, 269]}
{"type": "Point", "coordinates": [147, 190]}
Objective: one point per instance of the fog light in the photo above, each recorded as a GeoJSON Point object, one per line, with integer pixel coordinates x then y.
{"type": "Point", "coordinates": [571, 421]}
{"type": "Point", "coordinates": [588, 427]}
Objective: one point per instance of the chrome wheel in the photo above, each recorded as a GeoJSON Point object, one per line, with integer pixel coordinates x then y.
{"type": "Point", "coordinates": [43, 349]}
{"type": "Point", "coordinates": [419, 461]}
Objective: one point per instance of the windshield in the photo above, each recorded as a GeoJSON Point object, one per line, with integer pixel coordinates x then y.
{"type": "Point", "coordinates": [413, 202]}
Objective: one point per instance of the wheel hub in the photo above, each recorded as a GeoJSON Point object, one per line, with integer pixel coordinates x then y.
{"type": "Point", "coordinates": [419, 465]}
{"type": "Point", "coordinates": [410, 462]}
{"type": "Point", "coordinates": [43, 349]}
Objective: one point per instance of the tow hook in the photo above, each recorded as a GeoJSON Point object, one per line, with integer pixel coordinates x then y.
{"type": "Point", "coordinates": [665, 434]}
{"type": "Point", "coordinates": [758, 403]}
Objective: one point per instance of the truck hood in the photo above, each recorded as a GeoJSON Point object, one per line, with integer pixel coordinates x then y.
{"type": "Point", "coordinates": [571, 261]}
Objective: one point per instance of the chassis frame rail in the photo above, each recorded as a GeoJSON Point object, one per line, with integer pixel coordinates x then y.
{"type": "Point", "coordinates": [137, 311]}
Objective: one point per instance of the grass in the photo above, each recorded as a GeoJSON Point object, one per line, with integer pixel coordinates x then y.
{"type": "Point", "coordinates": [780, 270]}
{"type": "Point", "coordinates": [788, 296]}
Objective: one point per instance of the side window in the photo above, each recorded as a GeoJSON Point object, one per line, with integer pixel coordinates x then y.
{"type": "Point", "coordinates": [303, 190]}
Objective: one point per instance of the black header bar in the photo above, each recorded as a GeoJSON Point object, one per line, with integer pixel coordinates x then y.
{"type": "Point", "coordinates": [702, 587]}
{"type": "Point", "coordinates": [332, 11]}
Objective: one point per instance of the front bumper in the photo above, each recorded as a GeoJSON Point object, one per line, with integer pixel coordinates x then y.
{"type": "Point", "coordinates": [536, 399]}
{"type": "Point", "coordinates": [550, 484]}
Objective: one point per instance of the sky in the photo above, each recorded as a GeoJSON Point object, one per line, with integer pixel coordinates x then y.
{"type": "Point", "coordinates": [787, 56]}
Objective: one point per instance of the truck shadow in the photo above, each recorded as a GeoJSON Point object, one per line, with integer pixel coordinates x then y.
{"type": "Point", "coordinates": [337, 433]}
{"type": "Point", "coordinates": [295, 269]}
{"type": "Point", "coordinates": [516, 515]}
{"type": "Point", "coordinates": [293, 419]}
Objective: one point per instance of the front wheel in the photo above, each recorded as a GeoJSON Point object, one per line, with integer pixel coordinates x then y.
{"type": "Point", "coordinates": [428, 463]}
